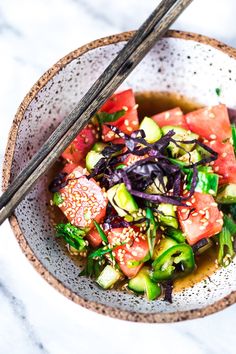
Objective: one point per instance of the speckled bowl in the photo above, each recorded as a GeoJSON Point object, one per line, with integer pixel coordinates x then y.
{"type": "Point", "coordinates": [184, 63]}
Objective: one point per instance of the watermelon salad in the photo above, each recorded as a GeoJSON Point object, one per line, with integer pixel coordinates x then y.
{"type": "Point", "coordinates": [145, 199]}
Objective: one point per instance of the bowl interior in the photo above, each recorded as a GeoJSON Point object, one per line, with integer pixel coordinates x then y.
{"type": "Point", "coordinates": [186, 67]}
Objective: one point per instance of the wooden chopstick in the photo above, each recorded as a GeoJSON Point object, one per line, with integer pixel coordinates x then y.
{"type": "Point", "coordinates": [127, 59]}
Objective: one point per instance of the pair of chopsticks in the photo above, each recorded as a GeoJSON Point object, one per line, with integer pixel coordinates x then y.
{"type": "Point", "coordinates": [133, 52]}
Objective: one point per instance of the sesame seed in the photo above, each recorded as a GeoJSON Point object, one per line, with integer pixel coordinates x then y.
{"type": "Point", "coordinates": [213, 204]}
{"type": "Point", "coordinates": [211, 191]}
{"type": "Point", "coordinates": [220, 221]}
{"type": "Point", "coordinates": [202, 228]}
{"type": "Point", "coordinates": [194, 214]}
{"type": "Point", "coordinates": [212, 142]}
{"type": "Point", "coordinates": [211, 115]}
{"type": "Point", "coordinates": [188, 204]}
{"type": "Point", "coordinates": [217, 168]}
{"type": "Point", "coordinates": [125, 108]}
{"type": "Point", "coordinates": [224, 154]}
{"type": "Point", "coordinates": [126, 122]}
{"type": "Point", "coordinates": [167, 115]}
{"type": "Point", "coordinates": [213, 136]}
{"type": "Point", "coordinates": [188, 221]}
{"type": "Point", "coordinates": [129, 129]}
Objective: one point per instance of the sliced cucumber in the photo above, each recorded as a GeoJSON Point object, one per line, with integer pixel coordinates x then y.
{"type": "Point", "coordinates": [167, 215]}
{"type": "Point", "coordinates": [143, 284]}
{"type": "Point", "coordinates": [156, 187]}
{"type": "Point", "coordinates": [108, 277]}
{"type": "Point", "coordinates": [92, 158]}
{"type": "Point", "coordinates": [98, 147]}
{"type": "Point", "coordinates": [151, 130]}
{"type": "Point", "coordinates": [122, 200]}
{"type": "Point", "coordinates": [207, 182]}
{"type": "Point", "coordinates": [227, 194]}
{"type": "Point", "coordinates": [191, 157]}
{"type": "Point", "coordinates": [163, 246]}
{"type": "Point", "coordinates": [180, 135]}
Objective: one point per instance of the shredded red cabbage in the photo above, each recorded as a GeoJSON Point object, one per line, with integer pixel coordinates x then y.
{"type": "Point", "coordinates": [144, 172]}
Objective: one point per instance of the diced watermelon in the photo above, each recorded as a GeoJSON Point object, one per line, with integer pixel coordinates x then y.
{"type": "Point", "coordinates": [210, 122]}
{"type": "Point", "coordinates": [225, 165]}
{"type": "Point", "coordinates": [94, 238]}
{"type": "Point", "coordinates": [128, 122]}
{"type": "Point", "coordinates": [83, 200]}
{"type": "Point", "coordinates": [81, 145]}
{"type": "Point", "coordinates": [173, 117]}
{"type": "Point", "coordinates": [201, 218]}
{"type": "Point", "coordinates": [135, 249]}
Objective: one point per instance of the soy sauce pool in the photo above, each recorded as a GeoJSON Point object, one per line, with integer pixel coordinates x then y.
{"type": "Point", "coordinates": [150, 103]}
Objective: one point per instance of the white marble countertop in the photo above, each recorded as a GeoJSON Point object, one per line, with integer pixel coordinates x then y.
{"type": "Point", "coordinates": [35, 318]}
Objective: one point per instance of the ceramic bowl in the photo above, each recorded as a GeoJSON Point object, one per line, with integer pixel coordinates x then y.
{"type": "Point", "coordinates": [185, 63]}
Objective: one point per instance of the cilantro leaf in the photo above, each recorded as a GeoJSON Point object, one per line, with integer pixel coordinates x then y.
{"type": "Point", "coordinates": [57, 199]}
{"type": "Point", "coordinates": [218, 91]}
{"type": "Point", "coordinates": [104, 117]}
{"type": "Point", "coordinates": [72, 235]}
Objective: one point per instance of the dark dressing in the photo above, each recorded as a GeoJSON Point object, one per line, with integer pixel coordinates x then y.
{"type": "Point", "coordinates": [150, 103]}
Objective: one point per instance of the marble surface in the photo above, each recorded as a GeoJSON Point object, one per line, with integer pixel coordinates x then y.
{"type": "Point", "coordinates": [35, 318]}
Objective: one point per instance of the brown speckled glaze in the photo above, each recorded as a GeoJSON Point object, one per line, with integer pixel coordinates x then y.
{"type": "Point", "coordinates": [184, 63]}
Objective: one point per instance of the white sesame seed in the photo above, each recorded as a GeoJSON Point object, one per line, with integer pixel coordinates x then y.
{"type": "Point", "coordinates": [213, 136]}
{"type": "Point", "coordinates": [224, 154]}
{"type": "Point", "coordinates": [202, 228]}
{"type": "Point", "coordinates": [167, 115]}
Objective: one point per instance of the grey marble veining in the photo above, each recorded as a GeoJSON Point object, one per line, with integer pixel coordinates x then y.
{"type": "Point", "coordinates": [35, 318]}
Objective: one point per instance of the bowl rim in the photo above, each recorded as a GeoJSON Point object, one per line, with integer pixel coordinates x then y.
{"type": "Point", "coordinates": [7, 164]}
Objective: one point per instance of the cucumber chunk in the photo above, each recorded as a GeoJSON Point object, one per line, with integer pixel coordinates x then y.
{"type": "Point", "coordinates": [122, 200]}
{"type": "Point", "coordinates": [156, 187]}
{"type": "Point", "coordinates": [163, 246]}
{"type": "Point", "coordinates": [108, 277]}
{"type": "Point", "coordinates": [98, 147]}
{"type": "Point", "coordinates": [143, 284]}
{"type": "Point", "coordinates": [207, 182]}
{"type": "Point", "coordinates": [151, 130]}
{"type": "Point", "coordinates": [167, 215]}
{"type": "Point", "coordinates": [227, 194]}
{"type": "Point", "coordinates": [180, 135]}
{"type": "Point", "coordinates": [191, 157]}
{"type": "Point", "coordinates": [92, 158]}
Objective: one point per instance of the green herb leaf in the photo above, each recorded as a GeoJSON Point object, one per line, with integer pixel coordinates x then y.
{"type": "Point", "coordinates": [99, 252]}
{"type": "Point", "coordinates": [104, 117]}
{"type": "Point", "coordinates": [232, 209]}
{"type": "Point", "coordinates": [226, 251]}
{"type": "Point", "coordinates": [230, 225]}
{"type": "Point", "coordinates": [72, 235]}
{"type": "Point", "coordinates": [133, 263]}
{"type": "Point", "coordinates": [234, 136]}
{"type": "Point", "coordinates": [101, 232]}
{"type": "Point", "coordinates": [218, 91]}
{"type": "Point", "coordinates": [119, 167]}
{"type": "Point", "coordinates": [151, 230]}
{"type": "Point", "coordinates": [57, 198]}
